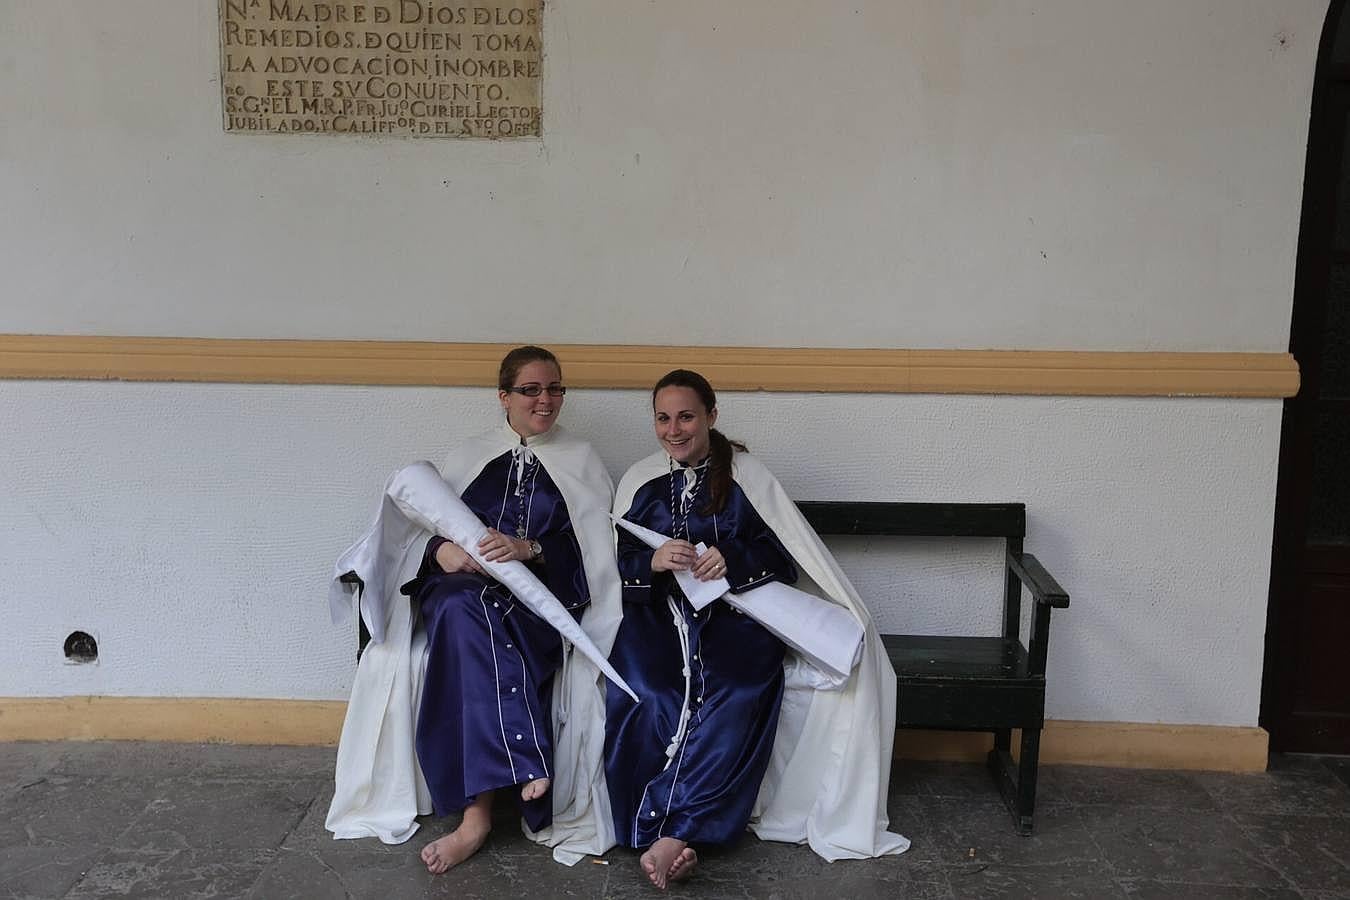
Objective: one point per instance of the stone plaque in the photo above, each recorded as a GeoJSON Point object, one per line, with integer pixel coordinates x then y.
{"type": "Point", "coordinates": [409, 68]}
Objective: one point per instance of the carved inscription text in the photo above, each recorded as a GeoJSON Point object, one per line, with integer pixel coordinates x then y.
{"type": "Point", "coordinates": [411, 68]}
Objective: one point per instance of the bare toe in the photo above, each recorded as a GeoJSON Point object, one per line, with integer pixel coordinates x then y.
{"type": "Point", "coordinates": [648, 862]}
{"type": "Point", "coordinates": [452, 849]}
{"type": "Point", "coordinates": [683, 866]}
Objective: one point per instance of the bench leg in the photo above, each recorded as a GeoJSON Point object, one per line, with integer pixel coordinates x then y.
{"type": "Point", "coordinates": [1026, 779]}
{"type": "Point", "coordinates": [1017, 780]}
{"type": "Point", "coordinates": [1003, 740]}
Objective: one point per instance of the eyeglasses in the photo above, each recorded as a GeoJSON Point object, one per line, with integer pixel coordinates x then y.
{"type": "Point", "coordinates": [534, 390]}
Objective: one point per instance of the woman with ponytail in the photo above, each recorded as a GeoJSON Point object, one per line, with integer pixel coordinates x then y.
{"type": "Point", "coordinates": [688, 764]}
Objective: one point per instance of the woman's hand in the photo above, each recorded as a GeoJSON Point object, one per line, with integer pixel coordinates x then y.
{"type": "Point", "coordinates": [452, 558]}
{"type": "Point", "coordinates": [710, 565]}
{"type": "Point", "coordinates": [497, 547]}
{"type": "Point", "coordinates": [673, 556]}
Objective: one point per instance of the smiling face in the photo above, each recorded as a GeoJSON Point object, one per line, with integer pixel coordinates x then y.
{"type": "Point", "coordinates": [682, 423]}
{"type": "Point", "coordinates": [529, 416]}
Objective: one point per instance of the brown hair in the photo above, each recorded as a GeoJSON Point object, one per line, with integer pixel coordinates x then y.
{"type": "Point", "coordinates": [516, 360]}
{"type": "Point", "coordinates": [719, 446]}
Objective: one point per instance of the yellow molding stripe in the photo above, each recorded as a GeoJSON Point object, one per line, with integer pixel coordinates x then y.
{"type": "Point", "coordinates": [318, 722]}
{"type": "Point", "coordinates": [1047, 372]}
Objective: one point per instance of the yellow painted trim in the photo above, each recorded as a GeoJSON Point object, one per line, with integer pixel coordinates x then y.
{"type": "Point", "coordinates": [1132, 745]}
{"type": "Point", "coordinates": [1051, 372]}
{"type": "Point", "coordinates": [191, 719]}
{"type": "Point", "coordinates": [318, 722]}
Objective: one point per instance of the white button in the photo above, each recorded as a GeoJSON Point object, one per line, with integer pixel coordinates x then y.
{"type": "Point", "coordinates": [652, 814]}
{"type": "Point", "coordinates": [508, 646]}
{"type": "Point", "coordinates": [695, 657]}
{"type": "Point", "coordinates": [531, 775]}
{"type": "Point", "coordinates": [695, 615]}
{"type": "Point", "coordinates": [496, 605]}
{"type": "Point", "coordinates": [517, 737]}
{"type": "Point", "coordinates": [513, 690]}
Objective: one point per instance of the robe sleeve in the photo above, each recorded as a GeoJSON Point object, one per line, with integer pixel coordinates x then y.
{"type": "Point", "coordinates": [755, 556]}
{"type": "Point", "coordinates": [561, 569]}
{"type": "Point", "coordinates": [428, 568]}
{"type": "Point", "coordinates": [635, 570]}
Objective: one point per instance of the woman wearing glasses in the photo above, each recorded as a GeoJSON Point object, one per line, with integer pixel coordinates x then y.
{"type": "Point", "coordinates": [488, 708]}
{"type": "Point", "coordinates": [733, 729]}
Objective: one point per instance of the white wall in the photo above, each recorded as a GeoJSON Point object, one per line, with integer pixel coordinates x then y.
{"type": "Point", "coordinates": [1022, 173]}
{"type": "Point", "coordinates": [1074, 174]}
{"type": "Point", "coordinates": [191, 528]}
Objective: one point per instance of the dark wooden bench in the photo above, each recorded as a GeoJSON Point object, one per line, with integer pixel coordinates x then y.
{"type": "Point", "coordinates": [991, 684]}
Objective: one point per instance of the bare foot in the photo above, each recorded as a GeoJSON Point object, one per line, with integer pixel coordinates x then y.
{"type": "Point", "coordinates": [464, 841]}
{"type": "Point", "coordinates": [659, 860]}
{"type": "Point", "coordinates": [683, 866]}
{"type": "Point", "coordinates": [533, 790]}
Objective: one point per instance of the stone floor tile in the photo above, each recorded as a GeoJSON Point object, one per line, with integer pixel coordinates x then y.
{"type": "Point", "coordinates": [385, 876]}
{"type": "Point", "coordinates": [1150, 889]}
{"type": "Point", "coordinates": [856, 887]}
{"type": "Point", "coordinates": [1295, 763]}
{"type": "Point", "coordinates": [126, 759]}
{"type": "Point", "coordinates": [1177, 845]}
{"type": "Point", "coordinates": [192, 814]}
{"type": "Point", "coordinates": [1294, 792]}
{"type": "Point", "coordinates": [319, 873]}
{"type": "Point", "coordinates": [951, 832]}
{"type": "Point", "coordinates": [938, 779]}
{"type": "Point", "coordinates": [1338, 766]}
{"type": "Point", "coordinates": [310, 833]}
{"type": "Point", "coordinates": [265, 762]}
{"type": "Point", "coordinates": [182, 875]}
{"type": "Point", "coordinates": [1312, 853]}
{"type": "Point", "coordinates": [850, 886]}
{"type": "Point", "coordinates": [65, 810]}
{"type": "Point", "coordinates": [43, 871]}
{"type": "Point", "coordinates": [1093, 785]}
{"type": "Point", "coordinates": [23, 763]}
{"type": "Point", "coordinates": [1063, 882]}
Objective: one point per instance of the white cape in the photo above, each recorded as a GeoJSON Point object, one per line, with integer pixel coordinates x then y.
{"type": "Point", "coordinates": [379, 785]}
{"type": "Point", "coordinates": [830, 768]}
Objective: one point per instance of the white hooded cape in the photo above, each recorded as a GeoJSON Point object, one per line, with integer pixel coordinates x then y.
{"type": "Point", "coordinates": [379, 785]}
{"type": "Point", "coordinates": [830, 768]}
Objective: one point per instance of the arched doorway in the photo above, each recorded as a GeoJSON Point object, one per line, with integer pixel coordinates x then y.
{"type": "Point", "coordinates": [1305, 695]}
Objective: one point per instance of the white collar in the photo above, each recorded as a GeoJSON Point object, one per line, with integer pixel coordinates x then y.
{"type": "Point", "coordinates": [516, 438]}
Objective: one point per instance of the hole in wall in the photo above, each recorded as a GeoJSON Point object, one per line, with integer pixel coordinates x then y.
{"type": "Point", "coordinates": [81, 647]}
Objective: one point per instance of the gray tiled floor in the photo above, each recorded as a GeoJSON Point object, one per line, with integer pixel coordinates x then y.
{"type": "Point", "coordinates": [85, 820]}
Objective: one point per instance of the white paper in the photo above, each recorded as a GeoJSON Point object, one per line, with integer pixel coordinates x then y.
{"type": "Point", "coordinates": [827, 635]}
{"type": "Point", "coordinates": [422, 495]}
{"type": "Point", "coordinates": [698, 593]}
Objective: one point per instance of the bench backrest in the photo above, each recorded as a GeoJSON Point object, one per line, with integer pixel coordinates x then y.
{"type": "Point", "coordinates": [1005, 520]}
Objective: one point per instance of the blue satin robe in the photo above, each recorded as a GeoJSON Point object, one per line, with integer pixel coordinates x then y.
{"type": "Point", "coordinates": [485, 718]}
{"type": "Point", "coordinates": [706, 792]}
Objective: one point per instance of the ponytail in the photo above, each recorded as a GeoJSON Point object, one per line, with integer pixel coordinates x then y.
{"type": "Point", "coordinates": [721, 451]}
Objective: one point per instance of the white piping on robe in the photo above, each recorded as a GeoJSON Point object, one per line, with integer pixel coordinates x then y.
{"type": "Point", "coordinates": [682, 631]}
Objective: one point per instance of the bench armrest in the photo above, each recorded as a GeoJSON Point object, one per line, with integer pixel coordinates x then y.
{"type": "Point", "coordinates": [1043, 587]}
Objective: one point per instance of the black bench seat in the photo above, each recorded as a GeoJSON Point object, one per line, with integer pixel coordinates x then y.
{"type": "Point", "coordinates": [959, 683]}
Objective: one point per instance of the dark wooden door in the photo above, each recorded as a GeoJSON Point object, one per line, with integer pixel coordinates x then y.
{"type": "Point", "coordinates": [1305, 703]}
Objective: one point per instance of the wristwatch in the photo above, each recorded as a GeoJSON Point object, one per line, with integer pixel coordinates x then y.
{"type": "Point", "coordinates": [536, 549]}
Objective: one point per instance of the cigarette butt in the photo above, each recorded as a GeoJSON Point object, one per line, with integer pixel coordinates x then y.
{"type": "Point", "coordinates": [600, 862]}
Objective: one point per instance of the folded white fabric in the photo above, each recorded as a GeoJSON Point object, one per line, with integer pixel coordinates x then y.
{"type": "Point", "coordinates": [824, 634]}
